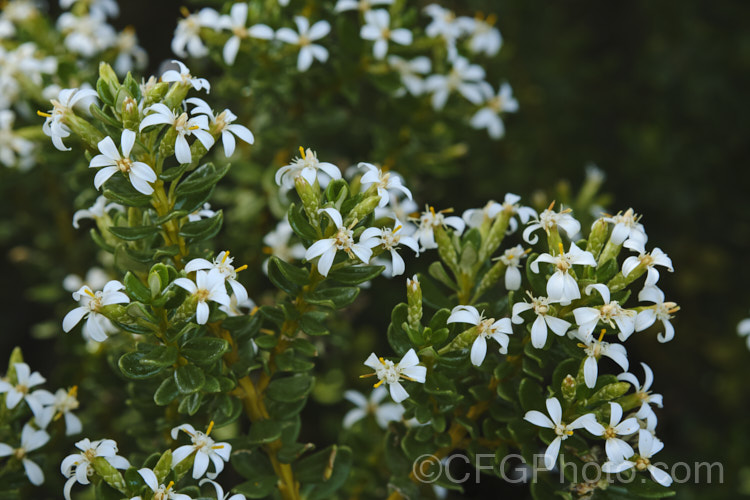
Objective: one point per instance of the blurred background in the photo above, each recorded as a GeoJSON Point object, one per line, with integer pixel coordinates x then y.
{"type": "Point", "coordinates": [654, 93]}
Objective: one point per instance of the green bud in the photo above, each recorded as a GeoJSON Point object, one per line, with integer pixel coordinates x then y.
{"type": "Point", "coordinates": [154, 91]}
{"type": "Point", "coordinates": [609, 392]}
{"type": "Point", "coordinates": [414, 299]}
{"type": "Point", "coordinates": [163, 466]}
{"type": "Point", "coordinates": [130, 116]}
{"type": "Point", "coordinates": [118, 312]}
{"type": "Point", "coordinates": [166, 147]}
{"type": "Point", "coordinates": [495, 235]}
{"type": "Point", "coordinates": [363, 209]}
{"type": "Point", "coordinates": [554, 241]}
{"type": "Point", "coordinates": [446, 249]}
{"type": "Point", "coordinates": [568, 388]}
{"type": "Point", "coordinates": [310, 198]}
{"type": "Point", "coordinates": [109, 474]}
{"type": "Point", "coordinates": [15, 357]}
{"type": "Point", "coordinates": [109, 77]}
{"type": "Point", "coordinates": [597, 237]}
{"type": "Point", "coordinates": [490, 278]}
{"type": "Point", "coordinates": [89, 134]}
{"type": "Point", "coordinates": [176, 94]}
{"type": "Point", "coordinates": [611, 251]}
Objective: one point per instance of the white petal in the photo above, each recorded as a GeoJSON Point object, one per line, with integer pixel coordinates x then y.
{"type": "Point", "coordinates": [539, 332]}
{"type": "Point", "coordinates": [539, 418]}
{"type": "Point", "coordinates": [590, 371]}
{"type": "Point", "coordinates": [33, 472]}
{"type": "Point", "coordinates": [554, 409]}
{"type": "Point", "coordinates": [398, 393]}
{"type": "Point", "coordinates": [478, 350]}
{"type": "Point", "coordinates": [553, 450]}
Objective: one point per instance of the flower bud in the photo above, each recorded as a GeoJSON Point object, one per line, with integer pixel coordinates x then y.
{"type": "Point", "coordinates": [495, 235]}
{"type": "Point", "coordinates": [89, 134]}
{"type": "Point", "coordinates": [363, 208]}
{"type": "Point", "coordinates": [310, 197]}
{"type": "Point", "coordinates": [445, 248]}
{"type": "Point", "coordinates": [108, 77]}
{"type": "Point", "coordinates": [491, 277]}
{"type": "Point", "coordinates": [568, 388]}
{"type": "Point", "coordinates": [131, 117]}
{"type": "Point", "coordinates": [598, 236]}
{"type": "Point", "coordinates": [414, 299]}
{"type": "Point", "coordinates": [109, 474]}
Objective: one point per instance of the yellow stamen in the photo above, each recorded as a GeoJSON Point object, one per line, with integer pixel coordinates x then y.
{"type": "Point", "coordinates": [380, 382]}
{"type": "Point", "coordinates": [367, 375]}
{"type": "Point", "coordinates": [46, 115]}
{"type": "Point", "coordinates": [432, 210]}
{"type": "Point", "coordinates": [217, 447]}
{"type": "Point", "coordinates": [528, 250]}
{"type": "Point", "coordinates": [169, 486]}
{"type": "Point", "coordinates": [302, 152]}
{"type": "Point", "coordinates": [447, 211]}
{"type": "Point", "coordinates": [674, 310]}
{"type": "Point", "coordinates": [184, 11]}
{"type": "Point", "coordinates": [241, 268]}
{"type": "Point", "coordinates": [194, 127]}
{"type": "Point", "coordinates": [491, 19]}
{"type": "Point", "coordinates": [569, 433]}
{"type": "Point", "coordinates": [268, 250]}
{"type": "Point", "coordinates": [560, 247]}
{"type": "Point", "coordinates": [73, 392]}
{"type": "Point", "coordinates": [601, 334]}
{"type": "Point", "coordinates": [397, 229]}
{"type": "Point", "coordinates": [224, 259]}
{"type": "Point", "coordinates": [90, 293]}
{"type": "Point", "coordinates": [381, 360]}
{"type": "Point", "coordinates": [255, 310]}
{"type": "Point", "coordinates": [551, 205]}
{"type": "Point", "coordinates": [210, 427]}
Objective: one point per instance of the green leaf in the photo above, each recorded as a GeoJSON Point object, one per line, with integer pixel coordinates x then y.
{"type": "Point", "coordinates": [437, 271]}
{"type": "Point", "coordinates": [204, 350]}
{"type": "Point", "coordinates": [135, 289]}
{"type": "Point", "coordinates": [537, 280]}
{"type": "Point", "coordinates": [311, 326]}
{"type": "Point", "coordinates": [258, 487]}
{"type": "Point", "coordinates": [264, 431]}
{"type": "Point", "coordinates": [335, 473]}
{"type": "Point", "coordinates": [166, 392]}
{"type": "Point", "coordinates": [189, 379]}
{"type": "Point", "coordinates": [607, 271]}
{"type": "Point", "coordinates": [530, 395]}
{"type": "Point", "coordinates": [133, 233]}
{"type": "Point", "coordinates": [191, 404]}
{"type": "Point", "coordinates": [160, 355]}
{"type": "Point", "coordinates": [131, 366]}
{"type": "Point", "coordinates": [118, 188]}
{"type": "Point", "coordinates": [288, 362]}
{"type": "Point", "coordinates": [290, 389]}
{"type": "Point", "coordinates": [335, 297]}
{"type": "Point", "coordinates": [202, 178]}
{"type": "Point", "coordinates": [300, 224]}
{"type": "Point", "coordinates": [286, 277]}
{"type": "Point", "coordinates": [355, 275]}
{"type": "Point", "coordinates": [644, 487]}
{"type": "Point", "coordinates": [397, 337]}
{"type": "Point", "coordinates": [203, 229]}
{"type": "Point", "coordinates": [163, 467]}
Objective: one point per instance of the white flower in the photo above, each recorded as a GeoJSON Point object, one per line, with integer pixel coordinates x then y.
{"type": "Point", "coordinates": [130, 55]}
{"type": "Point", "coordinates": [111, 161]}
{"type": "Point", "coordinates": [377, 28]}
{"type": "Point", "coordinates": [97, 326]}
{"type": "Point", "coordinates": [484, 37]}
{"type": "Point", "coordinates": [277, 243]}
{"type": "Point", "coordinates": [161, 492]}
{"type": "Point", "coordinates": [236, 22]}
{"type": "Point", "coordinates": [649, 261]}
{"type": "Point", "coordinates": [303, 37]}
{"type": "Point", "coordinates": [627, 227]}
{"type": "Point", "coordinates": [561, 286]}
{"type": "Point", "coordinates": [463, 77]}
{"type": "Point", "coordinates": [237, 308]}
{"type": "Point", "coordinates": [386, 371]}
{"type": "Point", "coordinates": [25, 380]}
{"type": "Point", "coordinates": [486, 328]}
{"type": "Point", "coordinates": [223, 123]}
{"type": "Point", "coordinates": [14, 149]}
{"type": "Point", "coordinates": [223, 264]}
{"type": "Point", "coordinates": [411, 72]}
{"type": "Point", "coordinates": [30, 440]}
{"type": "Point", "coordinates": [476, 217]}
{"type": "Point", "coordinates": [661, 311]}
{"type": "Point", "coordinates": [385, 182]}
{"type": "Point", "coordinates": [562, 430]}
{"type": "Point", "coordinates": [488, 116]}
{"type": "Point", "coordinates": [208, 286]}
{"type": "Point", "coordinates": [220, 491]}
{"type": "Point", "coordinates": [185, 126]}
{"type": "Point", "coordinates": [187, 35]}
{"type": "Point", "coordinates": [430, 220]}
{"type": "Point", "coordinates": [87, 34]}
{"type": "Point", "coordinates": [66, 100]}
{"type": "Point", "coordinates": [390, 239]}
{"type": "Point", "coordinates": [617, 449]}
{"type": "Point", "coordinates": [77, 467]}
{"type": "Point", "coordinates": [648, 446]}
{"type": "Point", "coordinates": [95, 279]}
{"type": "Point", "coordinates": [743, 330]}
{"type": "Point", "coordinates": [399, 209]}
{"type": "Point", "coordinates": [108, 7]}
{"type": "Point", "coordinates": [383, 413]}
{"type": "Point", "coordinates": [361, 5]}
{"type": "Point", "coordinates": [342, 240]}
{"type": "Point", "coordinates": [549, 220]}
{"type": "Point", "coordinates": [595, 349]}
{"type": "Point", "coordinates": [540, 306]}
{"type": "Point", "coordinates": [205, 449]}
{"type": "Point", "coordinates": [444, 24]}
{"type": "Point", "coordinates": [611, 313]}
{"type": "Point", "coordinates": [512, 260]}
{"type": "Point", "coordinates": [201, 213]}
{"type": "Point", "coordinates": [643, 393]}
{"type": "Point", "coordinates": [184, 77]}
{"type": "Point", "coordinates": [60, 404]}
{"type": "Point", "coordinates": [307, 166]}
{"type": "Point", "coordinates": [100, 208]}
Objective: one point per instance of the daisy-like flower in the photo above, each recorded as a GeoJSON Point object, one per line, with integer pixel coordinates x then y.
{"type": "Point", "coordinates": [412, 73]}
{"type": "Point", "coordinates": [220, 491]}
{"type": "Point", "coordinates": [207, 286]}
{"type": "Point", "coordinates": [342, 240]}
{"type": "Point", "coordinates": [107, 7]}
{"type": "Point", "coordinates": [67, 98]}
{"type": "Point", "coordinates": [611, 313]}
{"type": "Point", "coordinates": [554, 422]}
{"type": "Point", "coordinates": [187, 35]}
{"type": "Point", "coordinates": [277, 243]}
{"type": "Point", "coordinates": [185, 127]}
{"type": "Point", "coordinates": [476, 217]}
{"type": "Point", "coordinates": [223, 124]}
{"type": "Point", "coordinates": [648, 260]}
{"type": "Point", "coordinates": [130, 55]}
{"type": "Point", "coordinates": [360, 5]}
{"type": "Point", "coordinates": [512, 260]}
{"type": "Point", "coordinates": [377, 29]}
{"type": "Point", "coordinates": [463, 77]}
{"type": "Point", "coordinates": [307, 166]}
{"type": "Point", "coordinates": [486, 328]}
{"type": "Point", "coordinates": [627, 227]}
{"type": "Point", "coordinates": [111, 161]}
{"type": "Point", "coordinates": [648, 446]}
{"type": "Point", "coordinates": [383, 413]}
{"type": "Point", "coordinates": [561, 286]}
{"type": "Point", "coordinates": [595, 349]}
{"type": "Point", "coordinates": [384, 181]}
{"type": "Point", "coordinates": [25, 380]}
{"type": "Point", "coordinates": [14, 149]}
{"type": "Point", "coordinates": [743, 330]}
{"type": "Point", "coordinates": [60, 404]}
{"type": "Point", "coordinates": [488, 116]}
{"type": "Point", "coordinates": [161, 492]}
{"type": "Point", "coordinates": [541, 307]}
{"type": "Point", "coordinates": [31, 440]}
{"type": "Point", "coordinates": [202, 213]}
{"type": "Point", "coordinates": [444, 24]}
{"type": "Point", "coordinates": [77, 467]}
{"type": "Point", "coordinates": [484, 37]}
{"type": "Point", "coordinates": [643, 392]}
{"type": "Point", "coordinates": [549, 220]}
{"type": "Point", "coordinates": [304, 38]}
{"type": "Point", "coordinates": [223, 264]}
{"type": "Point", "coordinates": [617, 449]}
{"type": "Point", "coordinates": [97, 326]}
{"type": "Point", "coordinates": [661, 311]}
{"type": "Point", "coordinates": [88, 34]}
{"type": "Point", "coordinates": [100, 208]}
{"type": "Point", "coordinates": [205, 449]}
{"type": "Point", "coordinates": [399, 209]}
{"type": "Point", "coordinates": [430, 220]}
{"type": "Point", "coordinates": [236, 22]}
{"type": "Point", "coordinates": [390, 239]}
{"type": "Point", "coordinates": [391, 373]}
{"type": "Point", "coordinates": [184, 77]}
